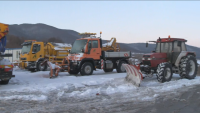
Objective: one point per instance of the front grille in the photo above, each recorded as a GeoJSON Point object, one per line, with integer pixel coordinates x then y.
{"type": "Point", "coordinates": [146, 55]}
{"type": "Point", "coordinates": [23, 58]}
{"type": "Point", "coordinates": [147, 63]}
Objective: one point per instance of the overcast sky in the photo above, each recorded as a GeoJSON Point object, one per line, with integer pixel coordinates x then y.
{"type": "Point", "coordinates": [128, 21]}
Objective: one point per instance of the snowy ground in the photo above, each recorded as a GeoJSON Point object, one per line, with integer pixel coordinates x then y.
{"type": "Point", "coordinates": [96, 93]}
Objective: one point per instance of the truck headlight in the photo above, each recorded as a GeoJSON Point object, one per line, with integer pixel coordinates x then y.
{"type": "Point", "coordinates": [149, 59]}
{"type": "Point", "coordinates": [143, 58]}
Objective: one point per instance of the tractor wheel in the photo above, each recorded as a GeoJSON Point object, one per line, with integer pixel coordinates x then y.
{"type": "Point", "coordinates": [73, 72]}
{"type": "Point", "coordinates": [41, 68]}
{"type": "Point", "coordinates": [4, 82]}
{"type": "Point", "coordinates": [108, 70]}
{"type": "Point", "coordinates": [86, 69]}
{"type": "Point", "coordinates": [188, 67]}
{"type": "Point", "coordinates": [164, 72]}
{"type": "Point", "coordinates": [120, 68]}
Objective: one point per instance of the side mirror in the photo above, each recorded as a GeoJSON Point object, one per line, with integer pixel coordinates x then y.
{"type": "Point", "coordinates": [69, 51]}
{"type": "Point", "coordinates": [179, 44]}
{"type": "Point", "coordinates": [19, 53]}
{"type": "Point", "coordinates": [147, 44]}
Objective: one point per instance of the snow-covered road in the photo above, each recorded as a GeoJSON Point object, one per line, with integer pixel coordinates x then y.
{"type": "Point", "coordinates": [100, 88]}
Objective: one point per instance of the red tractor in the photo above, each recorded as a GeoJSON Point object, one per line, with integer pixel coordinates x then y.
{"type": "Point", "coordinates": [170, 56]}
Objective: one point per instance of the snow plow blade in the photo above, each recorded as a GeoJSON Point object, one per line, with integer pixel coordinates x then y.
{"type": "Point", "coordinates": [134, 74]}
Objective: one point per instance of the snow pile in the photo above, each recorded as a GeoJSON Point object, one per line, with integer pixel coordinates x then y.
{"type": "Point", "coordinates": [5, 62]}
{"type": "Point", "coordinates": [108, 43]}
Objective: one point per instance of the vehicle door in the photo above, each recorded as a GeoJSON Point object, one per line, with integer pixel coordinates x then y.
{"type": "Point", "coordinates": [176, 50]}
{"type": "Point", "coordinates": [94, 49]}
{"type": "Point", "coordinates": [36, 52]}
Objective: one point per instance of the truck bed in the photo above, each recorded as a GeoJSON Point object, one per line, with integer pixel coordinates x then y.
{"type": "Point", "coordinates": [117, 54]}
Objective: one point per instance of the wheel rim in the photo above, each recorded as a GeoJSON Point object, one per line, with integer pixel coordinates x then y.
{"type": "Point", "coordinates": [41, 67]}
{"type": "Point", "coordinates": [167, 73]}
{"type": "Point", "coordinates": [122, 68]}
{"type": "Point", "coordinates": [191, 67]}
{"type": "Point", "coordinates": [88, 69]}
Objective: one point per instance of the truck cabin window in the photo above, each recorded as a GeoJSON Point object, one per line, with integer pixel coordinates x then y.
{"type": "Point", "coordinates": [36, 48]}
{"type": "Point", "coordinates": [26, 49]}
{"type": "Point", "coordinates": [94, 44]}
{"type": "Point", "coordinates": [78, 46]}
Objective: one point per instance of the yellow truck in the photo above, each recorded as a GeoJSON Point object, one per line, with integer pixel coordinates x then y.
{"type": "Point", "coordinates": [34, 53]}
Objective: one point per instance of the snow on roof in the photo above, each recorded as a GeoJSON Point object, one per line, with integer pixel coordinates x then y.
{"type": "Point", "coordinates": [108, 43]}
{"type": "Point", "coordinates": [62, 45]}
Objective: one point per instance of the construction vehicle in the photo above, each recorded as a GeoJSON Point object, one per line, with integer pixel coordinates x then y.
{"type": "Point", "coordinates": [6, 67]}
{"type": "Point", "coordinates": [111, 46]}
{"type": "Point", "coordinates": [170, 56]}
{"type": "Point", "coordinates": [34, 53]}
{"type": "Point", "coordinates": [87, 55]}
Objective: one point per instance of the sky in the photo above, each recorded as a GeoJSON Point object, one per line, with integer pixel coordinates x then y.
{"type": "Point", "coordinates": [128, 21]}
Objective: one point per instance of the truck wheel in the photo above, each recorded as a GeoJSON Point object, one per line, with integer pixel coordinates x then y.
{"type": "Point", "coordinates": [31, 69]}
{"type": "Point", "coordinates": [41, 68]}
{"type": "Point", "coordinates": [86, 69]}
{"type": "Point", "coordinates": [73, 72]}
{"type": "Point", "coordinates": [4, 82]}
{"type": "Point", "coordinates": [120, 67]}
{"type": "Point", "coordinates": [164, 72]}
{"type": "Point", "coordinates": [108, 70]}
{"type": "Point", "coordinates": [188, 67]}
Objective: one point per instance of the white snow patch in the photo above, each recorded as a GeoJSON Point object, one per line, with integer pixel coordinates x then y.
{"type": "Point", "coordinates": [100, 82]}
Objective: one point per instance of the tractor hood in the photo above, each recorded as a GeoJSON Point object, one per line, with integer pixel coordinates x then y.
{"type": "Point", "coordinates": [154, 56]}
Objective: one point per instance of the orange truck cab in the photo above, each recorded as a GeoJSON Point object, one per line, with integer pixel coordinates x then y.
{"type": "Point", "coordinates": [87, 55]}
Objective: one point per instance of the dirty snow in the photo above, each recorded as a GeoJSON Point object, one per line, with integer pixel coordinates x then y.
{"type": "Point", "coordinates": [36, 86]}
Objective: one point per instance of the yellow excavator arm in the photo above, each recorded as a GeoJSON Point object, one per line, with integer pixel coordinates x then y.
{"type": "Point", "coordinates": [3, 30]}
{"type": "Point", "coordinates": [111, 45]}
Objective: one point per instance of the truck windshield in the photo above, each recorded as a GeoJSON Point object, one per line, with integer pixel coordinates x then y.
{"type": "Point", "coordinates": [165, 47]}
{"type": "Point", "coordinates": [78, 46]}
{"type": "Point", "coordinates": [26, 49]}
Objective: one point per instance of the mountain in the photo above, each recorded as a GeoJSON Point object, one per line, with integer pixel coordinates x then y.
{"type": "Point", "coordinates": [43, 32]}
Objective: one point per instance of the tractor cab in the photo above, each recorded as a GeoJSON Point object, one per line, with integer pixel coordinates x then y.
{"type": "Point", "coordinates": [167, 50]}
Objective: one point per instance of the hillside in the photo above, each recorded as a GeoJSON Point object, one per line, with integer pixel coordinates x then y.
{"type": "Point", "coordinates": [46, 33]}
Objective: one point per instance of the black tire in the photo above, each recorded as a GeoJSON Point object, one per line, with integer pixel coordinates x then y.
{"type": "Point", "coordinates": [164, 72]}
{"type": "Point", "coordinates": [86, 69]}
{"type": "Point", "coordinates": [188, 67]}
{"type": "Point", "coordinates": [108, 70]}
{"type": "Point", "coordinates": [39, 67]}
{"type": "Point", "coordinates": [73, 72]}
{"type": "Point", "coordinates": [31, 69]}
{"type": "Point", "coordinates": [4, 82]}
{"type": "Point", "coordinates": [120, 68]}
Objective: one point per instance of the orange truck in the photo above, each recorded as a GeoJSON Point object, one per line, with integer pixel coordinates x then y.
{"type": "Point", "coordinates": [87, 55]}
